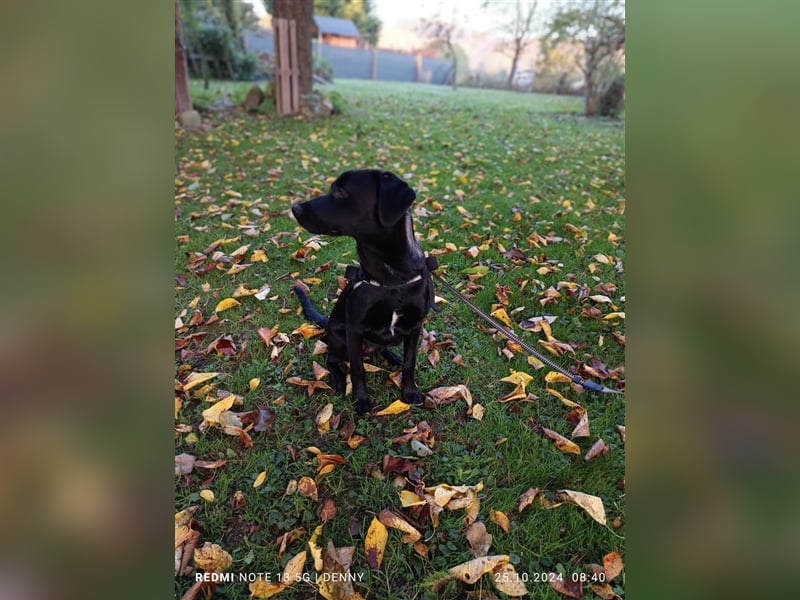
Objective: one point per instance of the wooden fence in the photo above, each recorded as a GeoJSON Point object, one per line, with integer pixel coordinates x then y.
{"type": "Point", "coordinates": [287, 72]}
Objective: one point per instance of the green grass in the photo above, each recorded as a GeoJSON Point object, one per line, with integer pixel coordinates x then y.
{"type": "Point", "coordinates": [494, 154]}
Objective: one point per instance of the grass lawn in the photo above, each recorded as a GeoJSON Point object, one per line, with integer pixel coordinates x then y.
{"type": "Point", "coordinates": [522, 200]}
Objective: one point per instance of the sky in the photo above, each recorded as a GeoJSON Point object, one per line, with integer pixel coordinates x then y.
{"type": "Point", "coordinates": [469, 12]}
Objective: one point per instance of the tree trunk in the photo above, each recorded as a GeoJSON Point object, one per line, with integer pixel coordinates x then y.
{"type": "Point", "coordinates": [514, 62]}
{"type": "Point", "coordinates": [302, 12]}
{"type": "Point", "coordinates": [183, 102]}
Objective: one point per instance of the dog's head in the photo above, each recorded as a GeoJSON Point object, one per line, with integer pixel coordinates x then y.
{"type": "Point", "coordinates": [360, 202]}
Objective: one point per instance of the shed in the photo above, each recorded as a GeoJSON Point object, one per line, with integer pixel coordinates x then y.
{"type": "Point", "coordinates": [336, 32]}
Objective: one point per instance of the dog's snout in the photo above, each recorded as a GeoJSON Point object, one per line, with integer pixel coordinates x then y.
{"type": "Point", "coordinates": [297, 210]}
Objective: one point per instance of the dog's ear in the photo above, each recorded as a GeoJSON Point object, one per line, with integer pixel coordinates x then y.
{"type": "Point", "coordinates": [394, 197]}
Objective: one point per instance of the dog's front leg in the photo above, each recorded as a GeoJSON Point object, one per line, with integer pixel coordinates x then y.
{"type": "Point", "coordinates": [408, 386]}
{"type": "Point", "coordinates": [355, 354]}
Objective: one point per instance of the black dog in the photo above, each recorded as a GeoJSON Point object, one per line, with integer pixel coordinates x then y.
{"type": "Point", "coordinates": [387, 298]}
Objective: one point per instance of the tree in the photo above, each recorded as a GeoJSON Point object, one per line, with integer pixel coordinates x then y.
{"type": "Point", "coordinates": [519, 32]}
{"type": "Point", "coordinates": [441, 34]}
{"type": "Point", "coordinates": [302, 12]}
{"type": "Point", "coordinates": [599, 27]}
{"type": "Point", "coordinates": [183, 102]}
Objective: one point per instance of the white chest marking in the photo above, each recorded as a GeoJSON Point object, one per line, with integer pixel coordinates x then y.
{"type": "Point", "coordinates": [395, 317]}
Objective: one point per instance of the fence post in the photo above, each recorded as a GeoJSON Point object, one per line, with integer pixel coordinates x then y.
{"type": "Point", "coordinates": [287, 73]}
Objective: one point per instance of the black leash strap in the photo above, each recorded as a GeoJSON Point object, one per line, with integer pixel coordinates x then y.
{"type": "Point", "coordinates": [589, 385]}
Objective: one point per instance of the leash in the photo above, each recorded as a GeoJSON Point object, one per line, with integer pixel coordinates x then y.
{"type": "Point", "coordinates": [589, 385]}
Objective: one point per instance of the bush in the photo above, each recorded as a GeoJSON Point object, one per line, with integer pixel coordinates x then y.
{"type": "Point", "coordinates": [245, 66]}
{"type": "Point", "coordinates": [323, 68]}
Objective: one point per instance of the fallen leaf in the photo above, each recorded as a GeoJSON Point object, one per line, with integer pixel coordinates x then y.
{"type": "Point", "coordinates": [561, 442]}
{"type": "Point", "coordinates": [195, 379]}
{"type": "Point", "coordinates": [184, 463]}
{"type": "Point", "coordinates": [621, 429]}
{"type": "Point", "coordinates": [478, 412]}
{"type": "Point", "coordinates": [211, 557]}
{"type": "Point", "coordinates": [565, 586]}
{"type": "Point", "coordinates": [612, 565]}
{"type": "Point", "coordinates": [207, 495]}
{"type": "Point", "coordinates": [395, 408]}
{"type": "Point", "coordinates": [328, 511]}
{"type": "Point", "coordinates": [598, 449]}
{"type": "Point", "coordinates": [472, 570]}
{"type": "Point", "coordinates": [394, 521]}
{"type": "Point", "coordinates": [308, 331]}
{"type": "Point", "coordinates": [212, 415]}
{"type": "Point", "coordinates": [294, 568]}
{"type": "Point", "coordinates": [506, 580]}
{"type": "Point", "coordinates": [254, 383]}
{"type": "Point", "coordinates": [500, 519]}
{"type": "Point", "coordinates": [591, 504]}
{"type": "Point", "coordinates": [580, 418]}
{"type": "Point", "coordinates": [556, 377]}
{"type": "Point", "coordinates": [260, 479]}
{"type": "Point", "coordinates": [226, 304]}
{"type": "Point", "coordinates": [375, 543]}
{"type": "Point", "coordinates": [527, 498]}
{"type": "Point", "coordinates": [307, 487]}
{"type": "Point", "coordinates": [479, 539]}
{"type": "Point", "coordinates": [409, 498]}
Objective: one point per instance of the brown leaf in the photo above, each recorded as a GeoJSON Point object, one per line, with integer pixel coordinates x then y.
{"type": "Point", "coordinates": [598, 449]}
{"type": "Point", "coordinates": [612, 565]}
{"type": "Point", "coordinates": [561, 442]}
{"type": "Point", "coordinates": [328, 510]}
{"type": "Point", "coordinates": [527, 498]}
{"type": "Point", "coordinates": [479, 539]}
{"type": "Point", "coordinates": [307, 487]}
{"type": "Point", "coordinates": [565, 586]}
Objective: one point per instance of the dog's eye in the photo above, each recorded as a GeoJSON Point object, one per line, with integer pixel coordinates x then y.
{"type": "Point", "coordinates": [339, 194]}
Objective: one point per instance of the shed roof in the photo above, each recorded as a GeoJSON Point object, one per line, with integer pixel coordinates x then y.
{"type": "Point", "coordinates": [336, 26]}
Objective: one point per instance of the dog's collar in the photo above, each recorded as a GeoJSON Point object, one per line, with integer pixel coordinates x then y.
{"type": "Point", "coordinates": [356, 275]}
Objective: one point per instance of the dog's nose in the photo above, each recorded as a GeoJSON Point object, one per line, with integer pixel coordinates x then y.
{"type": "Point", "coordinates": [297, 210]}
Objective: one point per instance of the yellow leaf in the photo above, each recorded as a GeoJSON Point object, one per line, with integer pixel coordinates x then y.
{"type": "Point", "coordinates": [478, 412]}
{"type": "Point", "coordinates": [561, 442]}
{"type": "Point", "coordinates": [308, 331]}
{"type": "Point", "coordinates": [294, 568]}
{"type": "Point", "coordinates": [556, 377]}
{"type": "Point", "coordinates": [591, 504]}
{"type": "Point", "coordinates": [323, 418]}
{"type": "Point", "coordinates": [395, 408]}
{"type": "Point", "coordinates": [472, 570]}
{"type": "Point", "coordinates": [375, 543]}
{"type": "Point", "coordinates": [226, 304]}
{"type": "Point", "coordinates": [265, 589]}
{"type": "Point", "coordinates": [254, 383]}
{"type": "Point", "coordinates": [501, 315]}
{"type": "Point", "coordinates": [232, 194]}
{"type": "Point", "coordinates": [409, 498]}
{"type": "Point", "coordinates": [535, 362]}
{"type": "Point", "coordinates": [207, 495]}
{"type": "Point", "coordinates": [518, 377]}
{"type": "Point", "coordinates": [259, 255]}
{"type": "Point", "coordinates": [500, 519]}
{"type": "Point", "coordinates": [558, 395]}
{"type": "Point", "coordinates": [212, 415]}
{"type": "Point", "coordinates": [262, 477]}
{"type": "Point", "coordinates": [211, 557]}
{"type": "Point", "coordinates": [196, 379]}
{"type": "Point", "coordinates": [614, 315]}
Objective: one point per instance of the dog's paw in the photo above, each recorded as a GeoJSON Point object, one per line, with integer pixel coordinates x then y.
{"type": "Point", "coordinates": [338, 381]}
{"type": "Point", "coordinates": [363, 406]}
{"type": "Point", "coordinates": [413, 397]}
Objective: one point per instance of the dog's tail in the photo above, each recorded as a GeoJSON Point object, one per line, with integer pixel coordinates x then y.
{"type": "Point", "coordinates": [309, 312]}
